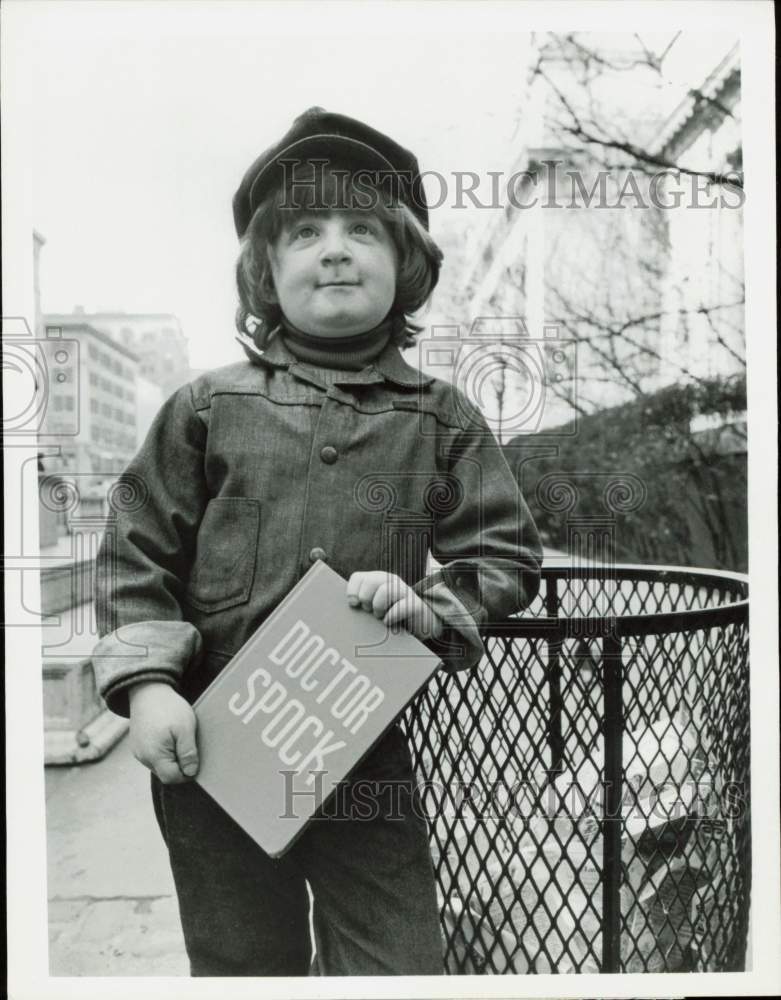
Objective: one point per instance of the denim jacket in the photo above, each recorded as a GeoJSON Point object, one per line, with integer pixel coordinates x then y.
{"type": "Point", "coordinates": [253, 471]}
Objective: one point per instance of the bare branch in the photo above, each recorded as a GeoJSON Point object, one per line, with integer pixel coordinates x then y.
{"type": "Point", "coordinates": [641, 156]}
{"type": "Point", "coordinates": [587, 63]}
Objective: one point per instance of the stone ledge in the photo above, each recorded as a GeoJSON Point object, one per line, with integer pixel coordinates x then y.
{"type": "Point", "coordinates": [93, 741]}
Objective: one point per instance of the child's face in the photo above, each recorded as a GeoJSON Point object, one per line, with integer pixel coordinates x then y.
{"type": "Point", "coordinates": [335, 273]}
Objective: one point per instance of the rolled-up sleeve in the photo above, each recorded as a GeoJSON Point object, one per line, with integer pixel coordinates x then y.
{"type": "Point", "coordinates": [486, 543]}
{"type": "Point", "coordinates": [144, 558]}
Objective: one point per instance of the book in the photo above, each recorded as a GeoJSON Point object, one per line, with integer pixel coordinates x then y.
{"type": "Point", "coordinates": [300, 704]}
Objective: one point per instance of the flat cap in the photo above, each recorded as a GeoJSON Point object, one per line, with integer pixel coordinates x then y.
{"type": "Point", "coordinates": [320, 134]}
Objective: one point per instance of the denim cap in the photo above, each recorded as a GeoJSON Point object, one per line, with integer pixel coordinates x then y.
{"type": "Point", "coordinates": [323, 135]}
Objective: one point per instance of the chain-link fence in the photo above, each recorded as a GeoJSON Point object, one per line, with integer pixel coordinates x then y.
{"type": "Point", "coordinates": [587, 786]}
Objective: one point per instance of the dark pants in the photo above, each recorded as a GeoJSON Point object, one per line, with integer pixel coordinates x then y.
{"type": "Point", "coordinates": [372, 881]}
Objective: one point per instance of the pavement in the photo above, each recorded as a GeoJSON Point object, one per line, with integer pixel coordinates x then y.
{"type": "Point", "coordinates": [112, 907]}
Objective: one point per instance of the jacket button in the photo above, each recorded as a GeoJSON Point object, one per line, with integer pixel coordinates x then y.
{"type": "Point", "coordinates": [328, 454]}
{"type": "Point", "coordinates": [317, 553]}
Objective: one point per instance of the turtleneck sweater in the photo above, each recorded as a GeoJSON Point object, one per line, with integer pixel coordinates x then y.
{"type": "Point", "coordinates": [337, 354]}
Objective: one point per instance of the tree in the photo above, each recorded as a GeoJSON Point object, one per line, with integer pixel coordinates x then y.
{"type": "Point", "coordinates": [576, 71]}
{"type": "Point", "coordinates": [645, 285]}
{"type": "Point", "coordinates": [646, 288]}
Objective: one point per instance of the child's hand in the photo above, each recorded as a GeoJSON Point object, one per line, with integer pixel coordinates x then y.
{"type": "Point", "coordinates": [162, 732]}
{"type": "Point", "coordinates": [388, 597]}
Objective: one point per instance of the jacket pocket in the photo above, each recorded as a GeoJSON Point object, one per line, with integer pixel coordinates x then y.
{"type": "Point", "coordinates": [226, 551]}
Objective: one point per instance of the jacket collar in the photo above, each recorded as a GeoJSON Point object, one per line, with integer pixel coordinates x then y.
{"type": "Point", "coordinates": [388, 366]}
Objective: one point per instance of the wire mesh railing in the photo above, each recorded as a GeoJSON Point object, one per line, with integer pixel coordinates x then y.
{"type": "Point", "coordinates": [587, 786]}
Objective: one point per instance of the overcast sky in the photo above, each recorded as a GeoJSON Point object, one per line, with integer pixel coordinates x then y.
{"type": "Point", "coordinates": [147, 116]}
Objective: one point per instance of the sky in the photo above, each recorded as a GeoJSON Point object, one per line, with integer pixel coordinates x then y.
{"type": "Point", "coordinates": [145, 117]}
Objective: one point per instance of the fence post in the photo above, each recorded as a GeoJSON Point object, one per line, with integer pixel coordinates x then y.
{"type": "Point", "coordinates": [555, 735]}
{"type": "Point", "coordinates": [612, 816]}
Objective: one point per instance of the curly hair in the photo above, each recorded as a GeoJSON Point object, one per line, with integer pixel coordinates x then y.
{"type": "Point", "coordinates": [325, 191]}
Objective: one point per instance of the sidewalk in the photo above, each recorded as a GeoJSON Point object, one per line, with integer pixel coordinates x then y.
{"type": "Point", "coordinates": [112, 909]}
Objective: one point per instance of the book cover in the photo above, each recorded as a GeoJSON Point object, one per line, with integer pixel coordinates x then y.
{"type": "Point", "coordinates": [300, 704]}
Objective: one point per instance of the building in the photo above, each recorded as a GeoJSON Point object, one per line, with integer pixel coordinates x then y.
{"type": "Point", "coordinates": [703, 284]}
{"type": "Point", "coordinates": [149, 399]}
{"type": "Point", "coordinates": [640, 295]}
{"type": "Point", "coordinates": [87, 393]}
{"type": "Point", "coordinates": [155, 338]}
{"type": "Point", "coordinates": [92, 398]}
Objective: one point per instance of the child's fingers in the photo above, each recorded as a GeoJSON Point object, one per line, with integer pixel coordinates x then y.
{"type": "Point", "coordinates": [187, 753]}
{"type": "Point", "coordinates": [394, 589]}
{"type": "Point", "coordinates": [416, 616]}
{"type": "Point", "coordinates": [353, 586]}
{"type": "Point", "coordinates": [361, 588]}
{"type": "Point", "coordinates": [168, 771]}
{"type": "Point", "coordinates": [400, 611]}
{"type": "Point", "coordinates": [374, 591]}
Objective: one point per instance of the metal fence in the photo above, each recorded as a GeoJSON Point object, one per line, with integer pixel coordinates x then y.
{"type": "Point", "coordinates": [587, 787]}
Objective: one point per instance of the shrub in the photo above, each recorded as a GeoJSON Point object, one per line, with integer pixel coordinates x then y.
{"type": "Point", "coordinates": [694, 511]}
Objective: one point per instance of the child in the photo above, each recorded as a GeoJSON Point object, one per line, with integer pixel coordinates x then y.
{"type": "Point", "coordinates": [325, 444]}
